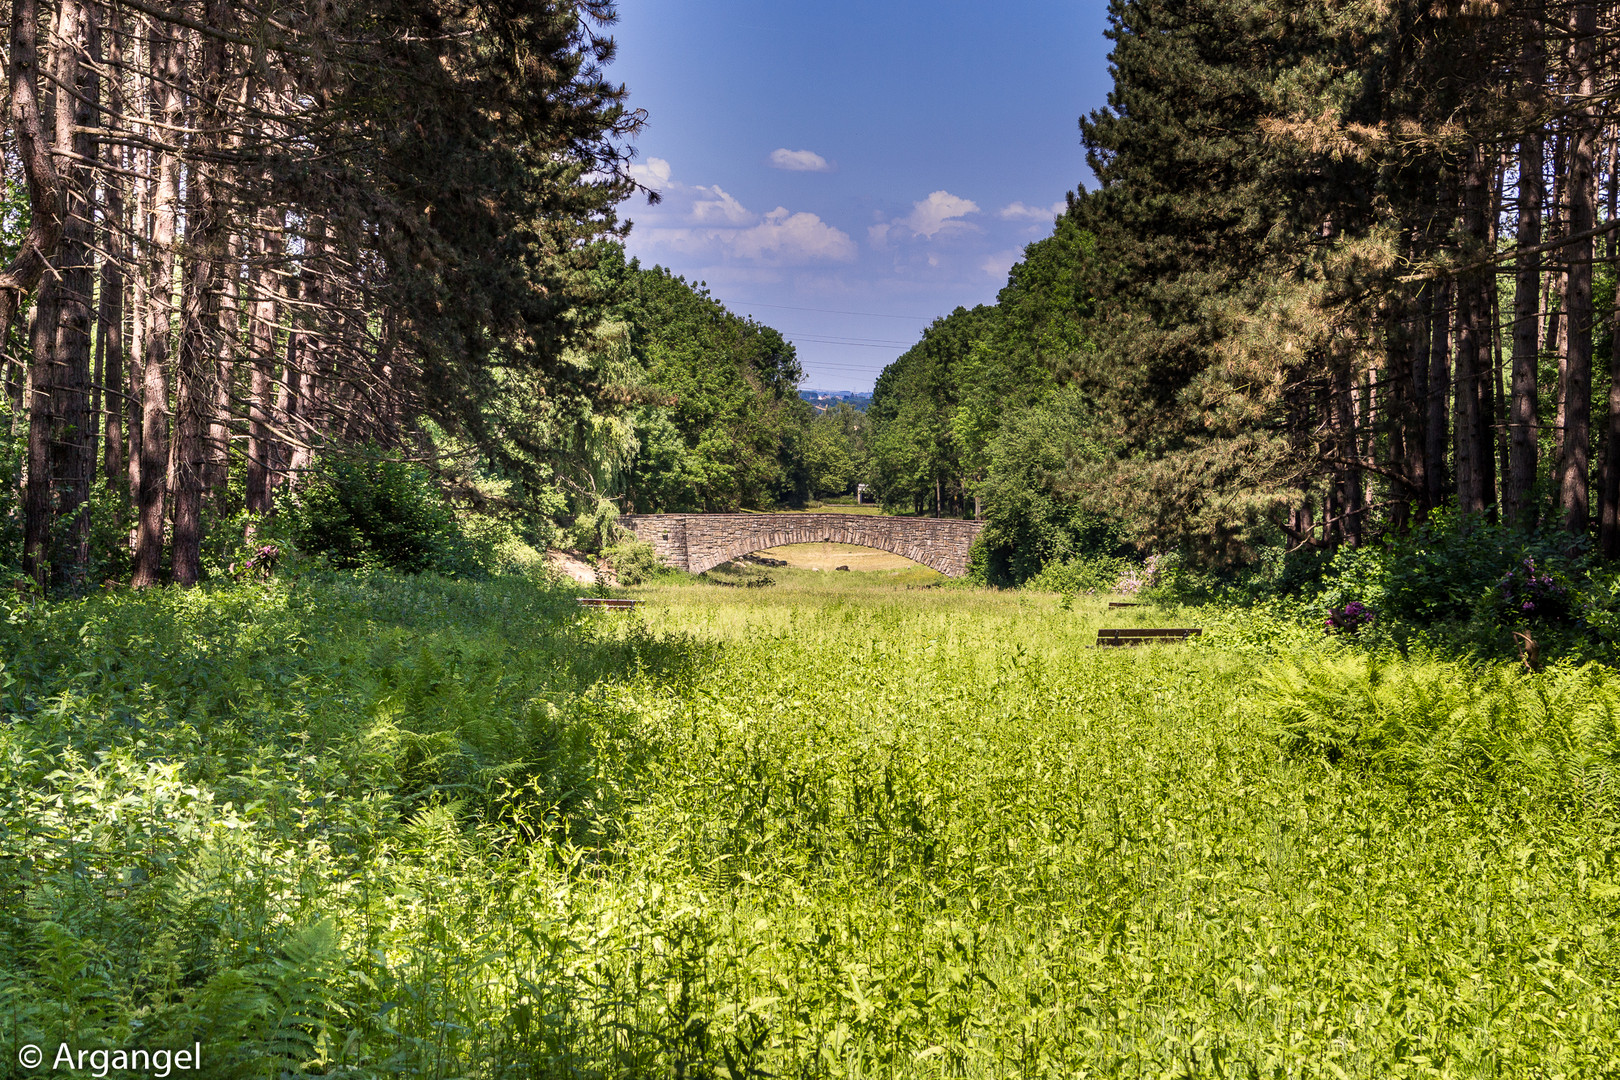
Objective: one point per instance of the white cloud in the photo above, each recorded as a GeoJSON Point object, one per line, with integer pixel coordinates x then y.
{"type": "Point", "coordinates": [938, 213]}
{"type": "Point", "coordinates": [799, 161]}
{"type": "Point", "coordinates": [720, 207]}
{"type": "Point", "coordinates": [708, 222]}
{"type": "Point", "coordinates": [653, 174]}
{"type": "Point", "coordinates": [782, 239]}
{"type": "Point", "coordinates": [998, 264]}
{"type": "Point", "coordinates": [786, 238]}
{"type": "Point", "coordinates": [1017, 211]}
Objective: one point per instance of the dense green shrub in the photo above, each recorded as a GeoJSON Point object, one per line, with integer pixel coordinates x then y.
{"type": "Point", "coordinates": [1442, 571]}
{"type": "Point", "coordinates": [373, 511]}
{"type": "Point", "coordinates": [634, 562]}
{"type": "Point", "coordinates": [1097, 573]}
{"type": "Point", "coordinates": [1462, 587]}
{"type": "Point", "coordinates": [289, 820]}
{"type": "Point", "coordinates": [1032, 520]}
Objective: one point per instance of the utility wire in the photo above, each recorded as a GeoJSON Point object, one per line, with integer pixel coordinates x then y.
{"type": "Point", "coordinates": [834, 311]}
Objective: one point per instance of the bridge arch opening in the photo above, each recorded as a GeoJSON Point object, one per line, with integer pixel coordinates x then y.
{"type": "Point", "coordinates": [826, 556]}
{"type": "Point", "coordinates": [699, 542]}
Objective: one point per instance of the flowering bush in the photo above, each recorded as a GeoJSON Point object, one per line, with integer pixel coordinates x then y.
{"type": "Point", "coordinates": [260, 565]}
{"type": "Point", "coordinates": [1350, 619]}
{"type": "Point", "coordinates": [1532, 593]}
{"type": "Point", "coordinates": [1142, 577]}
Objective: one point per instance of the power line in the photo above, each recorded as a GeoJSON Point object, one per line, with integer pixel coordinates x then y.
{"type": "Point", "coordinates": [891, 346]}
{"type": "Point", "coordinates": [840, 339]}
{"type": "Point", "coordinates": [842, 367]}
{"type": "Point", "coordinates": [835, 311]}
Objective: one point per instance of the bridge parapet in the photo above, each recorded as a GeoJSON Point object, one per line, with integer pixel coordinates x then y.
{"type": "Point", "coordinates": [699, 542]}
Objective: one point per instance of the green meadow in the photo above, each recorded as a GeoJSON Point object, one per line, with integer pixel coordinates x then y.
{"type": "Point", "coordinates": [840, 825]}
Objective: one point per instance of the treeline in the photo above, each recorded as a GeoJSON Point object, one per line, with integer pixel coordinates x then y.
{"type": "Point", "coordinates": [1347, 265]}
{"type": "Point", "coordinates": [714, 420]}
{"type": "Point", "coordinates": [978, 420]}
{"type": "Point", "coordinates": [238, 236]}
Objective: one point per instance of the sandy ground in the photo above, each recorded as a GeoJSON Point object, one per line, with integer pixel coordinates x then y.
{"type": "Point", "coordinates": [573, 565]}
{"type": "Point", "coordinates": [832, 556]}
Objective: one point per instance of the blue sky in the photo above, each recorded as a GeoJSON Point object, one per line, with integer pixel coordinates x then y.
{"type": "Point", "coordinates": [847, 172]}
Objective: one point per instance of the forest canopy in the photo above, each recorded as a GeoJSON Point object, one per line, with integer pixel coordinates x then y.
{"type": "Point", "coordinates": [1346, 265]}
{"type": "Point", "coordinates": [243, 242]}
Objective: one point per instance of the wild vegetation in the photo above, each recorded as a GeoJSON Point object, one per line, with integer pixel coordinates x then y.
{"type": "Point", "coordinates": [1346, 266]}
{"type": "Point", "coordinates": [240, 242]}
{"type": "Point", "coordinates": [320, 313]}
{"type": "Point", "coordinates": [380, 826]}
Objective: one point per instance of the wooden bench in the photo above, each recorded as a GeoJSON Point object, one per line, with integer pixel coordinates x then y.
{"type": "Point", "coordinates": [616, 603]}
{"type": "Point", "coordinates": [1122, 603]}
{"type": "Point", "coordinates": [1156, 635]}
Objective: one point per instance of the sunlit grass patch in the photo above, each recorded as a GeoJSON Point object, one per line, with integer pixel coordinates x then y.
{"type": "Point", "coordinates": [842, 825]}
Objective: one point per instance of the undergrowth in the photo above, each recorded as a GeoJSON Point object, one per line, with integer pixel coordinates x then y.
{"type": "Point", "coordinates": [372, 826]}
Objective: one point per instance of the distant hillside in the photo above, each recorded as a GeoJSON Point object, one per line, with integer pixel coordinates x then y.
{"type": "Point", "coordinates": [829, 399]}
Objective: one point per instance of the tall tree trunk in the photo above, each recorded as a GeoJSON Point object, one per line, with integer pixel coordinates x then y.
{"type": "Point", "coordinates": [1524, 442]}
{"type": "Point", "coordinates": [1496, 432]}
{"type": "Point", "coordinates": [38, 504]}
{"type": "Point", "coordinates": [311, 359]}
{"type": "Point", "coordinates": [166, 60]}
{"type": "Point", "coordinates": [1416, 421]}
{"type": "Point", "coordinates": [196, 389]}
{"type": "Point", "coordinates": [1471, 355]}
{"type": "Point", "coordinates": [1439, 394]}
{"type": "Point", "coordinates": [111, 316]}
{"type": "Point", "coordinates": [1573, 482]}
{"type": "Point", "coordinates": [262, 348]}
{"type": "Point", "coordinates": [1557, 326]}
{"type": "Point", "coordinates": [1398, 405]}
{"type": "Point", "coordinates": [288, 405]}
{"type": "Point", "coordinates": [59, 442]}
{"type": "Point", "coordinates": [227, 346]}
{"type": "Point", "coordinates": [1609, 496]}
{"type": "Point", "coordinates": [77, 115]}
{"type": "Point", "coordinates": [141, 263]}
{"type": "Point", "coordinates": [1348, 472]}
{"type": "Point", "coordinates": [46, 200]}
{"type": "Point", "coordinates": [1492, 431]}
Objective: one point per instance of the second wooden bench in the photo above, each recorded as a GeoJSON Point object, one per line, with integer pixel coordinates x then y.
{"type": "Point", "coordinates": [1155, 635]}
{"type": "Point", "coordinates": [614, 602]}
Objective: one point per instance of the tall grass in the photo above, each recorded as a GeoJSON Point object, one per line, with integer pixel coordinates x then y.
{"type": "Point", "coordinates": [846, 825]}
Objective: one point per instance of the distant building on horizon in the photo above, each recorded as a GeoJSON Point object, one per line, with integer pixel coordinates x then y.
{"type": "Point", "coordinates": [823, 400]}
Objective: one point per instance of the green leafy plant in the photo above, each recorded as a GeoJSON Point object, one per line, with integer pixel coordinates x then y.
{"type": "Point", "coordinates": [634, 562]}
{"type": "Point", "coordinates": [1097, 574]}
{"type": "Point", "coordinates": [370, 824]}
{"type": "Point", "coordinates": [370, 510]}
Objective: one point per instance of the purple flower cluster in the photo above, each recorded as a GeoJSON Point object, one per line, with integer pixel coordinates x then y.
{"type": "Point", "coordinates": [261, 564]}
{"type": "Point", "coordinates": [1139, 578]}
{"type": "Point", "coordinates": [1350, 618]}
{"type": "Point", "coordinates": [1533, 593]}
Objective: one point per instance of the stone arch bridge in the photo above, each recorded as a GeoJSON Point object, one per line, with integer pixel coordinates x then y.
{"type": "Point", "coordinates": [699, 542]}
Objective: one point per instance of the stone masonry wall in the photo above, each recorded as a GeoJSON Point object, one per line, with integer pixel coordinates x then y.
{"type": "Point", "coordinates": [699, 542]}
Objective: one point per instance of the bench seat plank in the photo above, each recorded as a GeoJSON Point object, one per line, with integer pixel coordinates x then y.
{"type": "Point", "coordinates": [1146, 635]}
